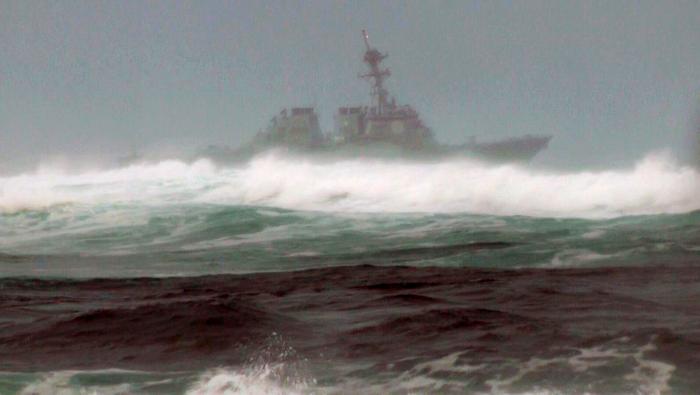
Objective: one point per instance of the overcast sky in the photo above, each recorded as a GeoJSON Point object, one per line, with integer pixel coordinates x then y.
{"type": "Point", "coordinates": [611, 80]}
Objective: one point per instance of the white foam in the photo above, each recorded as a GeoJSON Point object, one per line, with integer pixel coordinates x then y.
{"type": "Point", "coordinates": [59, 383]}
{"type": "Point", "coordinates": [580, 257]}
{"type": "Point", "coordinates": [449, 374]}
{"type": "Point", "coordinates": [425, 377]}
{"type": "Point", "coordinates": [303, 254]}
{"type": "Point", "coordinates": [268, 379]}
{"type": "Point", "coordinates": [156, 183]}
{"type": "Point", "coordinates": [648, 377]}
{"type": "Point", "coordinates": [594, 234]}
{"type": "Point", "coordinates": [259, 381]}
{"type": "Point", "coordinates": [654, 185]}
{"type": "Point", "coordinates": [652, 376]}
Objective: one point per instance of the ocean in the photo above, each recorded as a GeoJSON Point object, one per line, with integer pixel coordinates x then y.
{"type": "Point", "coordinates": [301, 275]}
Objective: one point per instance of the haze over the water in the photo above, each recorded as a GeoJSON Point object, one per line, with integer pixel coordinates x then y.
{"type": "Point", "coordinates": [86, 82]}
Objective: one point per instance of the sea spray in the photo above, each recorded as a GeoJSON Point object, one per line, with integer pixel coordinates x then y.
{"type": "Point", "coordinates": [655, 185]}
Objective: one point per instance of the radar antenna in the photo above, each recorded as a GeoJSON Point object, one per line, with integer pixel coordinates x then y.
{"type": "Point", "coordinates": [373, 58]}
{"type": "Point", "coordinates": [366, 37]}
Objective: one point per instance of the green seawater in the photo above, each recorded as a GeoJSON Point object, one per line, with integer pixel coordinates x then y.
{"type": "Point", "coordinates": [196, 239]}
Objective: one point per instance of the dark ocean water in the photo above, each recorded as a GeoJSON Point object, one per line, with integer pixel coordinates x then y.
{"type": "Point", "coordinates": [362, 276]}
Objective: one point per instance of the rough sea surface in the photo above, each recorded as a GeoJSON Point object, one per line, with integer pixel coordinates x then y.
{"type": "Point", "coordinates": [300, 275]}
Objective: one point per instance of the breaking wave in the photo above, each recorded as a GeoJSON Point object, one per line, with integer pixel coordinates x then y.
{"type": "Point", "coordinates": [259, 381]}
{"type": "Point", "coordinates": [654, 185]}
{"type": "Point", "coordinates": [219, 381]}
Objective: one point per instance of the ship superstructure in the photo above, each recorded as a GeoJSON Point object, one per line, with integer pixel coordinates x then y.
{"type": "Point", "coordinates": [297, 128]}
{"type": "Point", "coordinates": [382, 123]}
{"type": "Point", "coordinates": [384, 120]}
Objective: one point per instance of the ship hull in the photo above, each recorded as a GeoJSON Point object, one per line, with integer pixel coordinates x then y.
{"type": "Point", "coordinates": [515, 150]}
{"type": "Point", "coordinates": [521, 149]}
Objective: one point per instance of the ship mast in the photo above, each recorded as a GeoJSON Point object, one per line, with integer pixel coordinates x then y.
{"type": "Point", "coordinates": [373, 58]}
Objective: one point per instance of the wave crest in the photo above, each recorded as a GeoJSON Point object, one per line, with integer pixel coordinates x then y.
{"type": "Point", "coordinates": [656, 184]}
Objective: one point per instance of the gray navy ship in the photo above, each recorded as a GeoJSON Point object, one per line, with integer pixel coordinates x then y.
{"type": "Point", "coordinates": [381, 128]}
